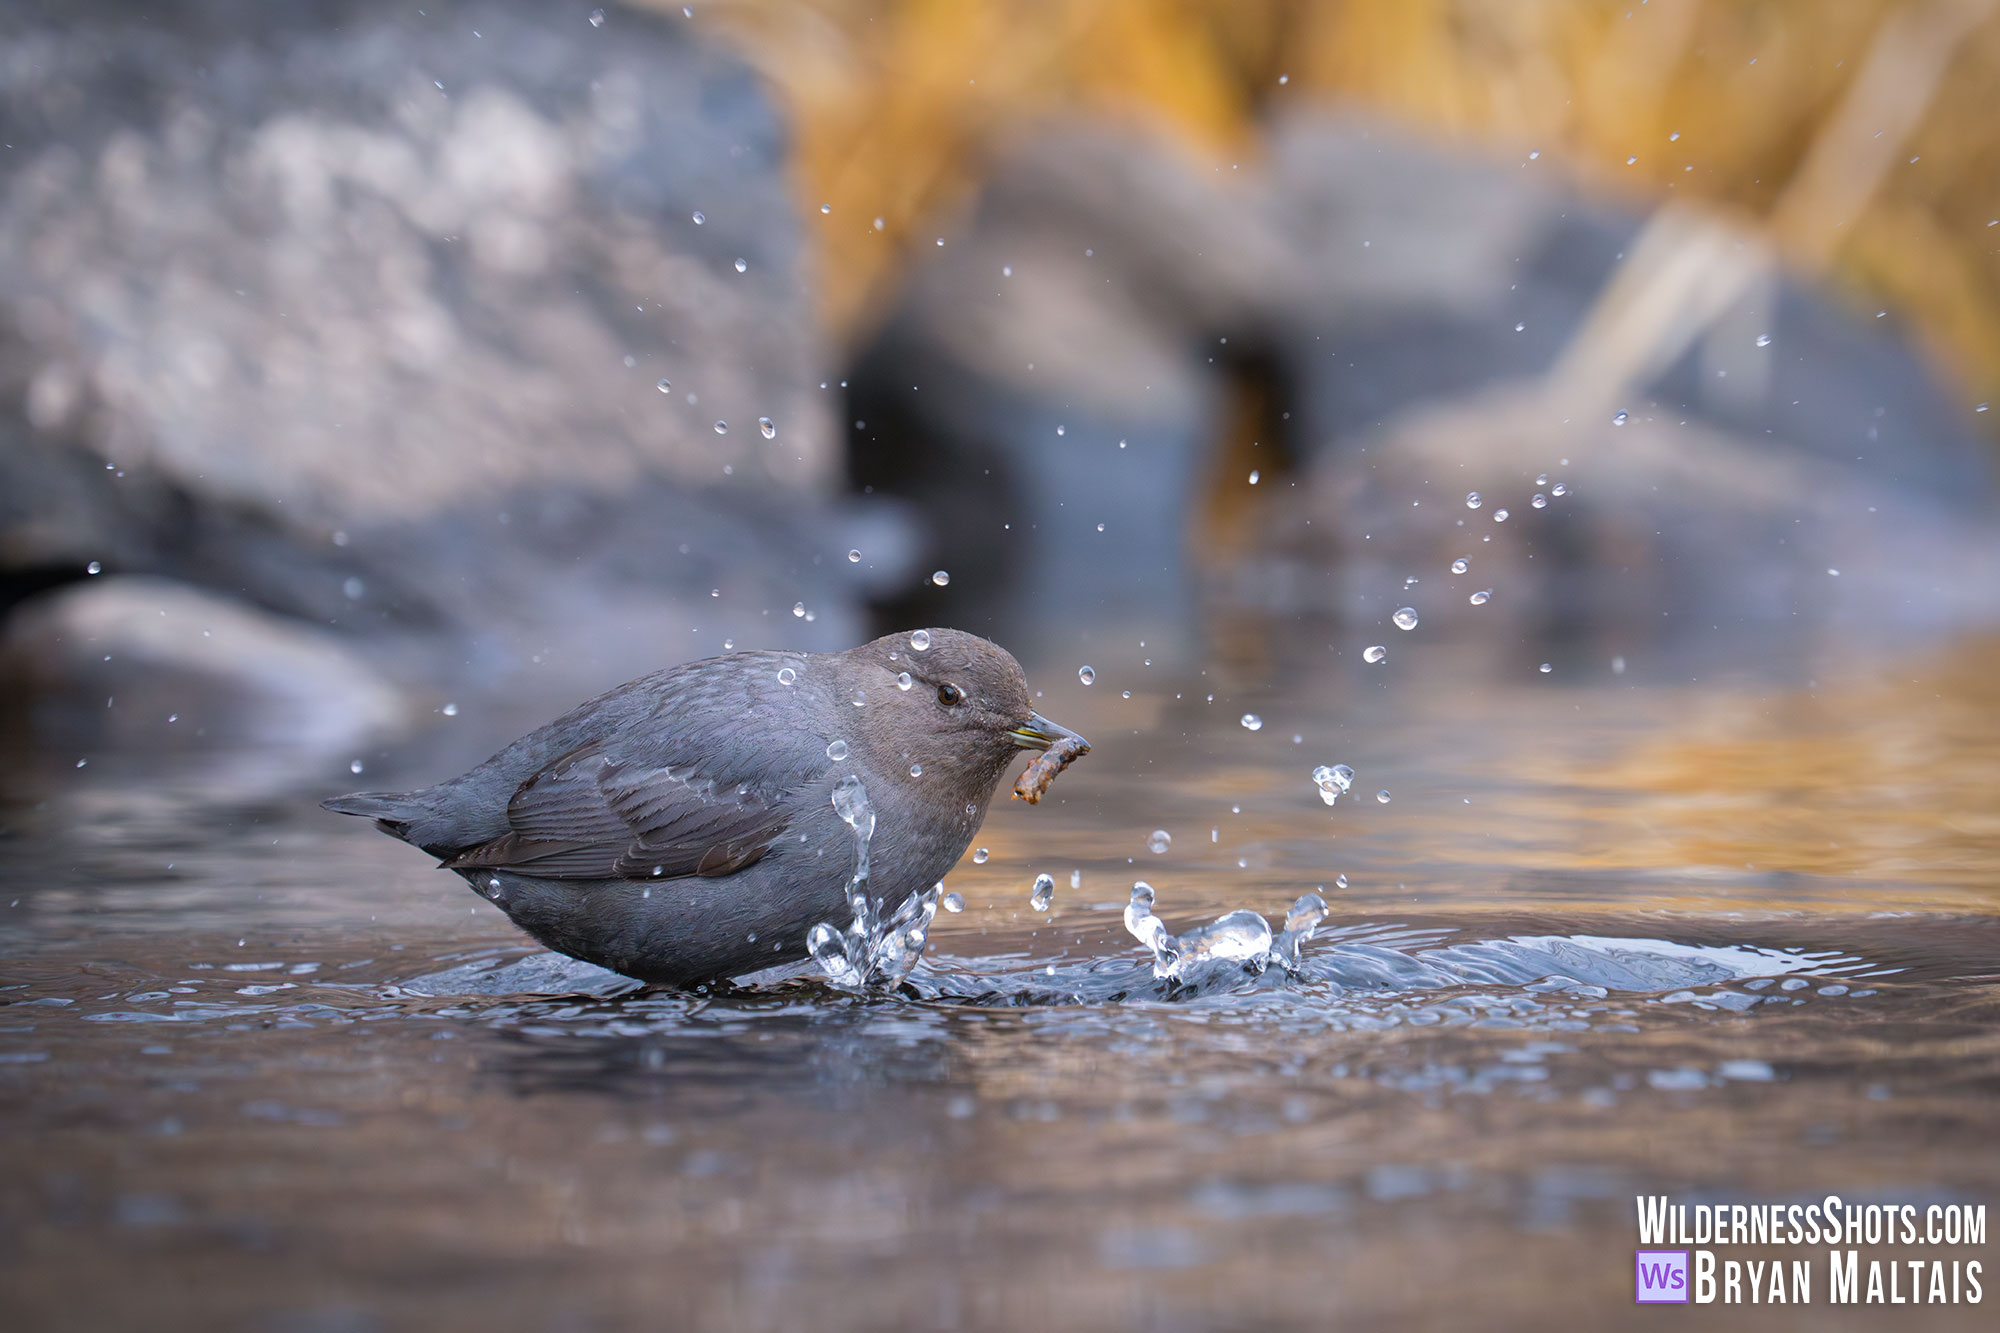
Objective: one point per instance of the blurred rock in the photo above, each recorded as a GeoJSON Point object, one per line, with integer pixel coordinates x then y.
{"type": "Point", "coordinates": [361, 312]}
{"type": "Point", "coordinates": [1365, 320]}
{"type": "Point", "coordinates": [1051, 369]}
{"type": "Point", "coordinates": [235, 697]}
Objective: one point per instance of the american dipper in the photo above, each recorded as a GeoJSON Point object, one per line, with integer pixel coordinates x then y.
{"type": "Point", "coordinates": [681, 829]}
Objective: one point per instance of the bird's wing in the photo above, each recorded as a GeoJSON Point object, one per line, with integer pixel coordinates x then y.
{"type": "Point", "coordinates": [658, 802]}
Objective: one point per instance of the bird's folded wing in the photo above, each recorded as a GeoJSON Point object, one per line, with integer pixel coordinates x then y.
{"type": "Point", "coordinates": [590, 816]}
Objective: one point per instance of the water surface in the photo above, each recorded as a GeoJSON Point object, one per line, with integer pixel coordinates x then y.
{"type": "Point", "coordinates": [1728, 938]}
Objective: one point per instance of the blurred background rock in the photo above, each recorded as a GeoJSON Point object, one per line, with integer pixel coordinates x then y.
{"type": "Point", "coordinates": [441, 339]}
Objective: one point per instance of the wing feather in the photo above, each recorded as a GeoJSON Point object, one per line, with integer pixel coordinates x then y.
{"type": "Point", "coordinates": [651, 803]}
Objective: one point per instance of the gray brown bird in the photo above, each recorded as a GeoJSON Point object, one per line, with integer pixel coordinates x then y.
{"type": "Point", "coordinates": [681, 828]}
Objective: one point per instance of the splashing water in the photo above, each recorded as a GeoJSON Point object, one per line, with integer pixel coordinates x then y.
{"type": "Point", "coordinates": [1333, 781]}
{"type": "Point", "coordinates": [1242, 937]}
{"type": "Point", "coordinates": [1300, 925]}
{"type": "Point", "coordinates": [877, 950]}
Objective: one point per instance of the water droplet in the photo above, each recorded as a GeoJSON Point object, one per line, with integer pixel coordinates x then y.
{"type": "Point", "coordinates": [1499, 516]}
{"type": "Point", "coordinates": [1763, 340]}
{"type": "Point", "coordinates": [1374, 652]}
{"type": "Point", "coordinates": [1044, 893]}
{"type": "Point", "coordinates": [1333, 781]}
{"type": "Point", "coordinates": [1159, 841]}
{"type": "Point", "coordinates": [699, 219]}
{"type": "Point", "coordinates": [1458, 566]}
{"type": "Point", "coordinates": [1519, 327]}
{"type": "Point", "coordinates": [921, 640]}
{"type": "Point", "coordinates": [1340, 881]}
{"type": "Point", "coordinates": [449, 710]}
{"type": "Point", "coordinates": [665, 386]}
{"type": "Point", "coordinates": [1251, 722]}
{"type": "Point", "coordinates": [97, 567]}
{"type": "Point", "coordinates": [1619, 418]}
{"type": "Point", "coordinates": [860, 699]}
{"type": "Point", "coordinates": [1482, 597]}
{"type": "Point", "coordinates": [1542, 480]}
{"type": "Point", "coordinates": [354, 767]}
{"type": "Point", "coordinates": [786, 675]}
{"type": "Point", "coordinates": [722, 428]}
{"type": "Point", "coordinates": [1630, 160]}
{"type": "Point", "coordinates": [1086, 674]}
{"type": "Point", "coordinates": [954, 903]}
{"type": "Point", "coordinates": [1126, 695]}
{"type": "Point", "coordinates": [1382, 796]}
{"type": "Point", "coordinates": [1472, 500]}
{"type": "Point", "coordinates": [1617, 666]}
{"type": "Point", "coordinates": [1559, 489]}
{"type": "Point", "coordinates": [1540, 501]}
{"type": "Point", "coordinates": [742, 266]}
{"type": "Point", "coordinates": [916, 770]}
{"type": "Point", "coordinates": [770, 432]}
{"type": "Point", "coordinates": [903, 681]}
{"type": "Point", "coordinates": [979, 856]}
{"type": "Point", "coordinates": [1547, 667]}
{"type": "Point", "coordinates": [799, 609]}
{"type": "Point", "coordinates": [1076, 879]}
{"type": "Point", "coordinates": [1253, 476]}
{"type": "Point", "coordinates": [941, 577]}
{"type": "Point", "coordinates": [854, 557]}
{"type": "Point", "coordinates": [836, 751]}
{"type": "Point", "coordinates": [1405, 618]}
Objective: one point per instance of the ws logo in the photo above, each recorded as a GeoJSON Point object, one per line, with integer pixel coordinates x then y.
{"type": "Point", "coordinates": [1661, 1276]}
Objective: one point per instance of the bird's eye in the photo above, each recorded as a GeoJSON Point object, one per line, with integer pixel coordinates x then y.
{"type": "Point", "coordinates": [950, 694]}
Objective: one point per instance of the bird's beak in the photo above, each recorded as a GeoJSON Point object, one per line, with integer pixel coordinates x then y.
{"type": "Point", "coordinates": [1038, 733]}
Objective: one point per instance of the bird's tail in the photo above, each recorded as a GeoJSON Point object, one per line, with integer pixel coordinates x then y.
{"type": "Point", "coordinates": [397, 809]}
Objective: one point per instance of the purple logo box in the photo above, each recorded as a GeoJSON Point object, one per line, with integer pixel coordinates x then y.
{"type": "Point", "coordinates": [1660, 1276]}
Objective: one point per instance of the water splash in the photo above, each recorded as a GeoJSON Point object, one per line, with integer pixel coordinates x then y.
{"type": "Point", "coordinates": [1239, 940]}
{"type": "Point", "coordinates": [877, 949]}
{"type": "Point", "coordinates": [1301, 924]}
{"type": "Point", "coordinates": [1333, 781]}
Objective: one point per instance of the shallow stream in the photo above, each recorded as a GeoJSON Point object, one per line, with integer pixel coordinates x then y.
{"type": "Point", "coordinates": [1730, 939]}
